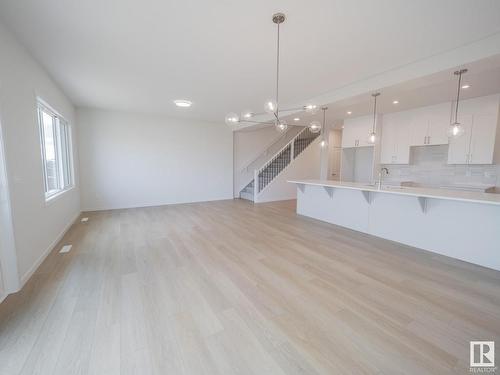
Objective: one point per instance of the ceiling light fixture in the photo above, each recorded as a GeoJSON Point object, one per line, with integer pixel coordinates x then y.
{"type": "Point", "coordinates": [272, 106]}
{"type": "Point", "coordinates": [183, 103]}
{"type": "Point", "coordinates": [456, 129]}
{"type": "Point", "coordinates": [395, 102]}
{"type": "Point", "coordinates": [349, 112]}
{"type": "Point", "coordinates": [465, 86]}
{"type": "Point", "coordinates": [372, 137]}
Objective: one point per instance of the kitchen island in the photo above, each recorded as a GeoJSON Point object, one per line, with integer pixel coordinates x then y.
{"type": "Point", "coordinates": [459, 224]}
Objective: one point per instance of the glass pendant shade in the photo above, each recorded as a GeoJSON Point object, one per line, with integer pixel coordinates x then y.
{"type": "Point", "coordinates": [312, 109]}
{"type": "Point", "coordinates": [315, 127]}
{"type": "Point", "coordinates": [455, 130]}
{"type": "Point", "coordinates": [372, 137]}
{"type": "Point", "coordinates": [232, 119]}
{"type": "Point", "coordinates": [323, 143]}
{"type": "Point", "coordinates": [245, 115]}
{"type": "Point", "coordinates": [281, 126]}
{"type": "Point", "coordinates": [270, 107]}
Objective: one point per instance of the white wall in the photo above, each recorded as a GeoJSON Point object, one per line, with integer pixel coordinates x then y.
{"type": "Point", "coordinates": [136, 160]}
{"type": "Point", "coordinates": [36, 225]}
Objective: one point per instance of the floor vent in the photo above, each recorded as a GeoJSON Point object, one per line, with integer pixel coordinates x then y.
{"type": "Point", "coordinates": [66, 249]}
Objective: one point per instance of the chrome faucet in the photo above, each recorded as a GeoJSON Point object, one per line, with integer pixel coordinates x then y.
{"type": "Point", "coordinates": [380, 174]}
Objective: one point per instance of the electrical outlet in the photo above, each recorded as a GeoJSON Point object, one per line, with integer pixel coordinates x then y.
{"type": "Point", "coordinates": [66, 249]}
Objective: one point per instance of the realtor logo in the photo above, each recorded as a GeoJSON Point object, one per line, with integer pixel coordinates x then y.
{"type": "Point", "coordinates": [482, 354]}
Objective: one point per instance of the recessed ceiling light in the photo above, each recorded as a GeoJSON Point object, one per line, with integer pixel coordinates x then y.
{"type": "Point", "coordinates": [296, 119]}
{"type": "Point", "coordinates": [183, 103]}
{"type": "Point", "coordinates": [395, 102]}
{"type": "Point", "coordinates": [465, 86]}
{"type": "Point", "coordinates": [349, 112]}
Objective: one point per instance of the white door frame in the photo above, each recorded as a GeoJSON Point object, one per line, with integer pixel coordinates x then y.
{"type": "Point", "coordinates": [8, 258]}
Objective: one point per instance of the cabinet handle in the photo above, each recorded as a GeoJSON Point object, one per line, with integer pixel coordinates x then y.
{"type": "Point", "coordinates": [428, 139]}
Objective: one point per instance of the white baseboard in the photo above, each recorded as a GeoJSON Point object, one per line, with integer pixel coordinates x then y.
{"type": "Point", "coordinates": [48, 250]}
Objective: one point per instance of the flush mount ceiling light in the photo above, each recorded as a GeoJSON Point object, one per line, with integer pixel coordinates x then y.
{"type": "Point", "coordinates": [395, 102]}
{"type": "Point", "coordinates": [271, 106]}
{"type": "Point", "coordinates": [456, 129]}
{"type": "Point", "coordinates": [349, 112]}
{"type": "Point", "coordinates": [372, 137]}
{"type": "Point", "coordinates": [183, 103]}
{"type": "Point", "coordinates": [465, 86]}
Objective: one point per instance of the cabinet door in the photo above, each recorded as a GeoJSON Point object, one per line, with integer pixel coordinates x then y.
{"type": "Point", "coordinates": [482, 141]}
{"type": "Point", "coordinates": [388, 141]}
{"type": "Point", "coordinates": [349, 134]}
{"type": "Point", "coordinates": [458, 149]}
{"type": "Point", "coordinates": [439, 117]}
{"type": "Point", "coordinates": [402, 143]}
{"type": "Point", "coordinates": [419, 127]}
{"type": "Point", "coordinates": [356, 132]}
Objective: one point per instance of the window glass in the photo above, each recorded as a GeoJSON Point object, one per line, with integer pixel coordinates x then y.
{"type": "Point", "coordinates": [55, 137]}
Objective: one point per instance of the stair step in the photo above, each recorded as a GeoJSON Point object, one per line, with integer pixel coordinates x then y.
{"type": "Point", "coordinates": [246, 196]}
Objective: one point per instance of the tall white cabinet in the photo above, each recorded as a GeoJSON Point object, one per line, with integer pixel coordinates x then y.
{"type": "Point", "coordinates": [395, 146]}
{"type": "Point", "coordinates": [481, 140]}
{"type": "Point", "coordinates": [360, 159]}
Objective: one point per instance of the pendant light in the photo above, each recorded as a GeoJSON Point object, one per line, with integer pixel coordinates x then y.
{"type": "Point", "coordinates": [315, 127]}
{"type": "Point", "coordinates": [372, 137]}
{"type": "Point", "coordinates": [272, 106]}
{"type": "Point", "coordinates": [324, 142]}
{"type": "Point", "coordinates": [456, 129]}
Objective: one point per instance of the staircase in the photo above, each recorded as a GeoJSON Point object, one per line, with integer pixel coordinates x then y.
{"type": "Point", "coordinates": [276, 164]}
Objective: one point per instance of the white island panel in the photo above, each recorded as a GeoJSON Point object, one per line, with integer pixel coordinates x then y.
{"type": "Point", "coordinates": [464, 229]}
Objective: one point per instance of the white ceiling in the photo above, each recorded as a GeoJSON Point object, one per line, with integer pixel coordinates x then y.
{"type": "Point", "coordinates": [483, 77]}
{"type": "Point", "coordinates": [140, 55]}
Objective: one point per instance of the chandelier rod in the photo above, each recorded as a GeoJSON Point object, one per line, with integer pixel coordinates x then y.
{"type": "Point", "coordinates": [277, 73]}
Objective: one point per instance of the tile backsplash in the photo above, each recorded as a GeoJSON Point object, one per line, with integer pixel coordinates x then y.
{"type": "Point", "coordinates": [428, 167]}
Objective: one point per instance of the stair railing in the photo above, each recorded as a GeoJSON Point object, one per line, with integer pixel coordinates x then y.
{"type": "Point", "coordinates": [265, 174]}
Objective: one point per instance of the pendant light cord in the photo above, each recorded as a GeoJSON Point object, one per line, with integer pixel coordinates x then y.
{"type": "Point", "coordinates": [374, 110]}
{"type": "Point", "coordinates": [458, 95]}
{"type": "Point", "coordinates": [324, 123]}
{"type": "Point", "coordinates": [277, 73]}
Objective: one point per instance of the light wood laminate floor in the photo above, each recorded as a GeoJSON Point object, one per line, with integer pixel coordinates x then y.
{"type": "Point", "coordinates": [232, 288]}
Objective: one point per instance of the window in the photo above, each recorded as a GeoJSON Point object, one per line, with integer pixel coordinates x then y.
{"type": "Point", "coordinates": [55, 138]}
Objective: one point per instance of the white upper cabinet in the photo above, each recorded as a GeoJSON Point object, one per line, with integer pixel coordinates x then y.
{"type": "Point", "coordinates": [439, 120]}
{"type": "Point", "coordinates": [479, 116]}
{"type": "Point", "coordinates": [395, 144]}
{"type": "Point", "coordinates": [482, 142]}
{"type": "Point", "coordinates": [429, 125]}
{"type": "Point", "coordinates": [356, 132]}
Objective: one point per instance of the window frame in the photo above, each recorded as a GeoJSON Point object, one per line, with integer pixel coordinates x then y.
{"type": "Point", "coordinates": [63, 157]}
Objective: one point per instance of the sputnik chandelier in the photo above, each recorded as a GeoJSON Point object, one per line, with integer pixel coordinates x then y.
{"type": "Point", "coordinates": [272, 106]}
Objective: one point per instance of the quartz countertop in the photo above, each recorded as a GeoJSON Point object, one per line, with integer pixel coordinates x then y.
{"type": "Point", "coordinates": [435, 193]}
